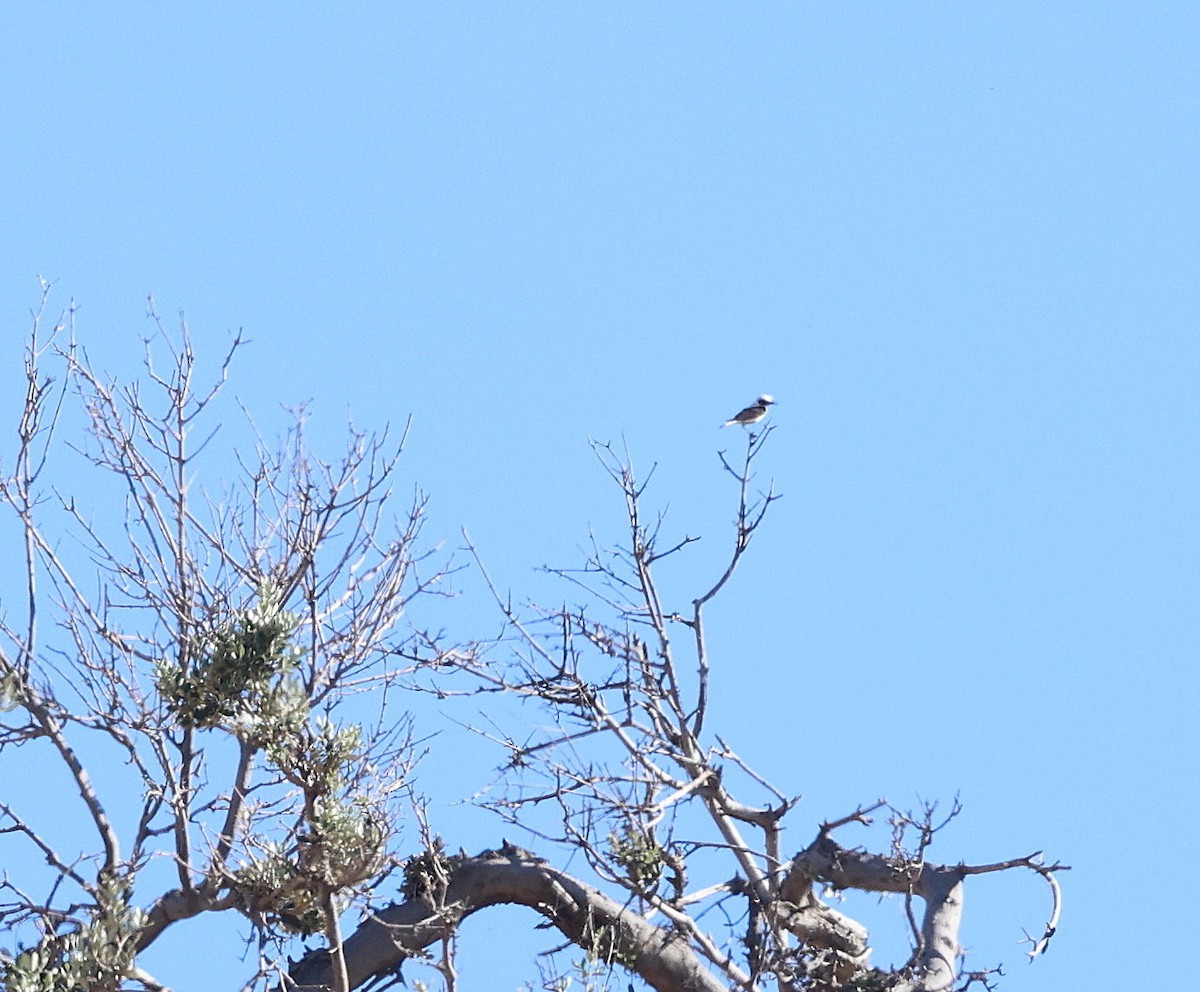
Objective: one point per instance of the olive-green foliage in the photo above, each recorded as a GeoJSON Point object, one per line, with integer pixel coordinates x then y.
{"type": "Point", "coordinates": [344, 835]}
{"type": "Point", "coordinates": [636, 852]}
{"type": "Point", "coordinates": [607, 947]}
{"type": "Point", "coordinates": [275, 886]}
{"type": "Point", "coordinates": [10, 692]}
{"type": "Point", "coordinates": [238, 678]}
{"type": "Point", "coordinates": [95, 957]}
{"type": "Point", "coordinates": [348, 840]}
{"type": "Point", "coordinates": [345, 845]}
{"type": "Point", "coordinates": [231, 672]}
{"type": "Point", "coordinates": [316, 759]}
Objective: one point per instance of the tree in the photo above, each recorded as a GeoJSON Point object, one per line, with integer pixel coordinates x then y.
{"type": "Point", "coordinates": [227, 647]}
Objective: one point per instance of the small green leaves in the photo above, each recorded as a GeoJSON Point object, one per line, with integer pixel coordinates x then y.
{"type": "Point", "coordinates": [235, 672]}
{"type": "Point", "coordinates": [638, 854]}
{"type": "Point", "coordinates": [99, 955]}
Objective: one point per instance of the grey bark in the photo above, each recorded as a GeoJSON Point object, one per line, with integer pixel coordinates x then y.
{"type": "Point", "coordinates": [939, 886]}
{"type": "Point", "coordinates": [582, 914]}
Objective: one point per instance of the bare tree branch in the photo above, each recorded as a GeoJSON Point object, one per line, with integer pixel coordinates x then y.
{"type": "Point", "coordinates": [214, 640]}
{"type": "Point", "coordinates": [584, 915]}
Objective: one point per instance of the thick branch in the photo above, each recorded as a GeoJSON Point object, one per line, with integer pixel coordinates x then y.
{"type": "Point", "coordinates": [584, 915]}
{"type": "Point", "coordinates": [940, 886]}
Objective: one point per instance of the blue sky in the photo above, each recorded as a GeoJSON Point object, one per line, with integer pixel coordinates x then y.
{"type": "Point", "coordinates": [958, 243]}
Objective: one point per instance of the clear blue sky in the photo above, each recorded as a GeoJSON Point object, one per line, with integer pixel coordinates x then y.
{"type": "Point", "coordinates": [958, 242]}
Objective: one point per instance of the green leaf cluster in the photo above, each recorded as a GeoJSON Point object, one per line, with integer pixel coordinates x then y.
{"type": "Point", "coordinates": [637, 852]}
{"type": "Point", "coordinates": [232, 675]}
{"type": "Point", "coordinates": [319, 759]}
{"type": "Point", "coordinates": [345, 844]}
{"type": "Point", "coordinates": [274, 885]}
{"type": "Point", "coordinates": [95, 957]}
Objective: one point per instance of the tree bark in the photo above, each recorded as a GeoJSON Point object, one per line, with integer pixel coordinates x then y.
{"type": "Point", "coordinates": [584, 915]}
{"type": "Point", "coordinates": [940, 886]}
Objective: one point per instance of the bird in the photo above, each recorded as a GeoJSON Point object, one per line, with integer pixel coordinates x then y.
{"type": "Point", "coordinates": [753, 413]}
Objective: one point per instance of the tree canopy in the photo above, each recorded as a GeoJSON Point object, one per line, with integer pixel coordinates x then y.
{"type": "Point", "coordinates": [220, 668]}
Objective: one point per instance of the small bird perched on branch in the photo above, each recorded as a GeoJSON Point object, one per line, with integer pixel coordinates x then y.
{"type": "Point", "coordinates": [753, 413]}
